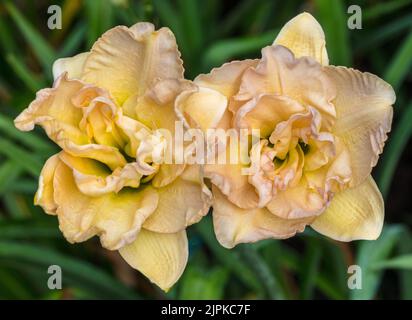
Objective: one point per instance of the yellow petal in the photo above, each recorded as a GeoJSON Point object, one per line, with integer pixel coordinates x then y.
{"type": "Point", "coordinates": [54, 111]}
{"type": "Point", "coordinates": [297, 202]}
{"type": "Point", "coordinates": [234, 225]}
{"type": "Point", "coordinates": [45, 193]}
{"type": "Point", "coordinates": [201, 108]}
{"type": "Point", "coordinates": [93, 179]}
{"type": "Point", "coordinates": [161, 257]}
{"type": "Point", "coordinates": [130, 127]}
{"type": "Point", "coordinates": [315, 189]}
{"type": "Point", "coordinates": [364, 116]}
{"type": "Point", "coordinates": [167, 174]}
{"type": "Point", "coordinates": [58, 111]}
{"type": "Point", "coordinates": [73, 66]}
{"type": "Point", "coordinates": [155, 109]}
{"type": "Point", "coordinates": [302, 79]}
{"type": "Point", "coordinates": [354, 214]}
{"type": "Point", "coordinates": [225, 79]}
{"type": "Point", "coordinates": [231, 181]}
{"type": "Point", "coordinates": [181, 203]}
{"type": "Point", "coordinates": [115, 217]}
{"type": "Point", "coordinates": [265, 111]}
{"type": "Point", "coordinates": [110, 156]}
{"type": "Point", "coordinates": [304, 36]}
{"type": "Point", "coordinates": [99, 115]}
{"type": "Point", "coordinates": [126, 61]}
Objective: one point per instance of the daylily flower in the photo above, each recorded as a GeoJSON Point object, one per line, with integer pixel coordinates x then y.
{"type": "Point", "coordinates": [103, 112]}
{"type": "Point", "coordinates": [322, 129]}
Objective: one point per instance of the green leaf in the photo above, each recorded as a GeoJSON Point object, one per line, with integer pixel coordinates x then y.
{"type": "Point", "coordinates": [371, 253]}
{"type": "Point", "coordinates": [261, 269]}
{"type": "Point", "coordinates": [383, 8]}
{"type": "Point", "coordinates": [23, 72]}
{"type": "Point", "coordinates": [79, 273]}
{"type": "Point", "coordinates": [310, 268]}
{"type": "Point", "coordinates": [9, 171]}
{"type": "Point", "coordinates": [191, 20]}
{"type": "Point", "coordinates": [400, 64]}
{"type": "Point", "coordinates": [74, 40]}
{"type": "Point", "coordinates": [275, 254]}
{"type": "Point", "coordinates": [30, 162]}
{"type": "Point", "coordinates": [199, 284]}
{"type": "Point", "coordinates": [332, 17]}
{"type": "Point", "coordinates": [382, 34]}
{"type": "Point", "coordinates": [44, 52]}
{"type": "Point", "coordinates": [27, 138]}
{"type": "Point", "coordinates": [401, 262]}
{"type": "Point", "coordinates": [229, 258]}
{"type": "Point", "coordinates": [405, 247]}
{"type": "Point", "coordinates": [99, 17]}
{"type": "Point", "coordinates": [225, 50]}
{"type": "Point", "coordinates": [12, 286]}
{"type": "Point", "coordinates": [28, 229]}
{"type": "Point", "coordinates": [236, 16]}
{"type": "Point", "coordinates": [393, 150]}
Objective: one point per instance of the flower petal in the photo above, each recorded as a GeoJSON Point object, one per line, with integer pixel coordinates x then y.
{"type": "Point", "coordinates": [183, 202]}
{"type": "Point", "coordinates": [297, 202]}
{"type": "Point", "coordinates": [364, 116]}
{"type": "Point", "coordinates": [304, 36]}
{"type": "Point", "coordinates": [225, 79]}
{"type": "Point", "coordinates": [59, 111]}
{"type": "Point", "coordinates": [155, 108]}
{"type": "Point", "coordinates": [167, 174]}
{"type": "Point", "coordinates": [301, 79]}
{"type": "Point", "coordinates": [315, 189]}
{"type": "Point", "coordinates": [73, 66]}
{"type": "Point", "coordinates": [265, 111]}
{"type": "Point", "coordinates": [161, 257]}
{"type": "Point", "coordinates": [110, 156]}
{"type": "Point", "coordinates": [234, 225]}
{"type": "Point", "coordinates": [354, 214]}
{"type": "Point", "coordinates": [93, 179]}
{"type": "Point", "coordinates": [230, 179]}
{"type": "Point", "coordinates": [115, 217]}
{"type": "Point", "coordinates": [126, 61]}
{"type": "Point", "coordinates": [201, 108]}
{"type": "Point", "coordinates": [54, 110]}
{"type": "Point", "coordinates": [44, 196]}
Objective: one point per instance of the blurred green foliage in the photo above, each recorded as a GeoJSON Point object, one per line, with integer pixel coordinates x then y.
{"type": "Point", "coordinates": [209, 33]}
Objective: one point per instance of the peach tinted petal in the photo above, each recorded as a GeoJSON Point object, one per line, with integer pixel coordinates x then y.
{"type": "Point", "coordinates": [234, 225]}
{"type": "Point", "coordinates": [364, 116]}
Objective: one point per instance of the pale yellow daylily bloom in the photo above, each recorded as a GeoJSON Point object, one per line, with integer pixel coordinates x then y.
{"type": "Point", "coordinates": [103, 111]}
{"type": "Point", "coordinates": [322, 129]}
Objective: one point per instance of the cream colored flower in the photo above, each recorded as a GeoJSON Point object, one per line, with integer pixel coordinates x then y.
{"type": "Point", "coordinates": [103, 111]}
{"type": "Point", "coordinates": [322, 129]}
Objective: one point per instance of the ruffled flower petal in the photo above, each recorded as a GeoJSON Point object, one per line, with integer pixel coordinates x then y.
{"type": "Point", "coordinates": [126, 61]}
{"type": "Point", "coordinates": [234, 225]}
{"type": "Point", "coordinates": [364, 116]}
{"type": "Point", "coordinates": [115, 217]}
